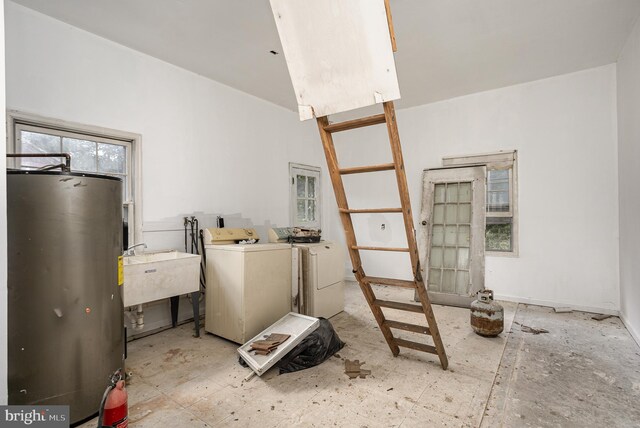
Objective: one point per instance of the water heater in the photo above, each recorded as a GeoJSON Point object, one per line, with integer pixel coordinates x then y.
{"type": "Point", "coordinates": [65, 310]}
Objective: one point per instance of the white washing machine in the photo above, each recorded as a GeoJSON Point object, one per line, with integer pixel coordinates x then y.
{"type": "Point", "coordinates": [248, 285]}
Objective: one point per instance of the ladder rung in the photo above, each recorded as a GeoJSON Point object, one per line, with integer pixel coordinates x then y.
{"type": "Point", "coordinates": [399, 306]}
{"type": "Point", "coordinates": [371, 210]}
{"type": "Point", "coordinates": [357, 247]}
{"type": "Point", "coordinates": [415, 345]}
{"type": "Point", "coordinates": [356, 123]}
{"type": "Point", "coordinates": [407, 327]}
{"type": "Point", "coordinates": [369, 168]}
{"type": "Point", "coordinates": [390, 281]}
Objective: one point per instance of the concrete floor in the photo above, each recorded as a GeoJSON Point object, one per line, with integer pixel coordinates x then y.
{"type": "Point", "coordinates": [582, 373]}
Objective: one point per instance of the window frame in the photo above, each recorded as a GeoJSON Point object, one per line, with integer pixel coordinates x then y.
{"type": "Point", "coordinates": [503, 159]}
{"type": "Point", "coordinates": [295, 169]}
{"type": "Point", "coordinates": [18, 121]}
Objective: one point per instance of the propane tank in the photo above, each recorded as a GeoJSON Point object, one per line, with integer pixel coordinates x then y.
{"type": "Point", "coordinates": [114, 407]}
{"type": "Point", "coordinates": [487, 317]}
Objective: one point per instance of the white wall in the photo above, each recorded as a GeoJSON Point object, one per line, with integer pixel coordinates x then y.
{"type": "Point", "coordinates": [629, 175]}
{"type": "Point", "coordinates": [207, 149]}
{"type": "Point", "coordinates": [3, 229]}
{"type": "Point", "coordinates": [564, 129]}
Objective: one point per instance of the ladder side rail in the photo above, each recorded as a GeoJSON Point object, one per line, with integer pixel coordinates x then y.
{"type": "Point", "coordinates": [433, 325]}
{"type": "Point", "coordinates": [405, 202]}
{"type": "Point", "coordinates": [396, 149]}
{"type": "Point", "coordinates": [347, 224]}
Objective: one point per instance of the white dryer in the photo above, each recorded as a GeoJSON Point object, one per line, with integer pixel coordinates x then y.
{"type": "Point", "coordinates": [322, 278]}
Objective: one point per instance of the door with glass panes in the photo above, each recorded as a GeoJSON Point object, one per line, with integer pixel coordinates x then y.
{"type": "Point", "coordinates": [451, 236]}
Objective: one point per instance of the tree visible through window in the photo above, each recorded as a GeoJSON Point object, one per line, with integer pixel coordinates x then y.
{"type": "Point", "coordinates": [306, 198]}
{"type": "Point", "coordinates": [499, 220]}
{"type": "Point", "coordinates": [86, 155]}
{"type": "Point", "coordinates": [91, 152]}
{"type": "Point", "coordinates": [501, 204]}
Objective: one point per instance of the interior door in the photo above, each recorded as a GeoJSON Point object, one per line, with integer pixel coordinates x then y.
{"type": "Point", "coordinates": [451, 234]}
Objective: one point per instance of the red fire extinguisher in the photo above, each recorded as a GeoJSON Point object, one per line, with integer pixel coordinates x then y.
{"type": "Point", "coordinates": [113, 408]}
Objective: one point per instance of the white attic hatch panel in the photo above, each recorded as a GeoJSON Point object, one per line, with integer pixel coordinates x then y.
{"type": "Point", "coordinates": [338, 52]}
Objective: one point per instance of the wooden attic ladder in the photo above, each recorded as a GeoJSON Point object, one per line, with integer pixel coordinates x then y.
{"type": "Point", "coordinates": [336, 172]}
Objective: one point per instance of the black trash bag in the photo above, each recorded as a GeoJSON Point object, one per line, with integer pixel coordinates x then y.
{"type": "Point", "coordinates": [317, 347]}
{"type": "Point", "coordinates": [313, 350]}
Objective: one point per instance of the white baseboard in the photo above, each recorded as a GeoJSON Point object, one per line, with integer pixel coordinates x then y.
{"type": "Point", "coordinates": [630, 329]}
{"type": "Point", "coordinates": [635, 334]}
{"type": "Point", "coordinates": [529, 301]}
{"type": "Point", "coordinates": [537, 302]}
{"type": "Point", "coordinates": [593, 309]}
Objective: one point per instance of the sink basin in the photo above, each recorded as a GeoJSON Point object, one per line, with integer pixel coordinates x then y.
{"type": "Point", "coordinates": [159, 275]}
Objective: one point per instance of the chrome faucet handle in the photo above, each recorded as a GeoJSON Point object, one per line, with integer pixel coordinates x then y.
{"type": "Point", "coordinates": [131, 251]}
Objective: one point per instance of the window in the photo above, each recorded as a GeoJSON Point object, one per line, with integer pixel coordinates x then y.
{"type": "Point", "coordinates": [93, 150]}
{"type": "Point", "coordinates": [501, 230]}
{"type": "Point", "coordinates": [305, 195]}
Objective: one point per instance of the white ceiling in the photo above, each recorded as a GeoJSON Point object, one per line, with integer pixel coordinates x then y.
{"type": "Point", "coordinates": [446, 48]}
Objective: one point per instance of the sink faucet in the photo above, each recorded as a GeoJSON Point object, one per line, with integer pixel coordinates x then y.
{"type": "Point", "coordinates": [131, 250]}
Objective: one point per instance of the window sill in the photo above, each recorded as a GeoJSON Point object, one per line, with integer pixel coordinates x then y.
{"type": "Point", "coordinates": [511, 254]}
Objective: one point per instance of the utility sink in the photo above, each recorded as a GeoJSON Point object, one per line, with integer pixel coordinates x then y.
{"type": "Point", "coordinates": [159, 275]}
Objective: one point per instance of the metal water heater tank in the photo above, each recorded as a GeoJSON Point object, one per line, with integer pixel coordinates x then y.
{"type": "Point", "coordinates": [65, 308]}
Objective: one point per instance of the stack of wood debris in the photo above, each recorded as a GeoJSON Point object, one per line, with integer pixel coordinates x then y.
{"type": "Point", "coordinates": [269, 343]}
